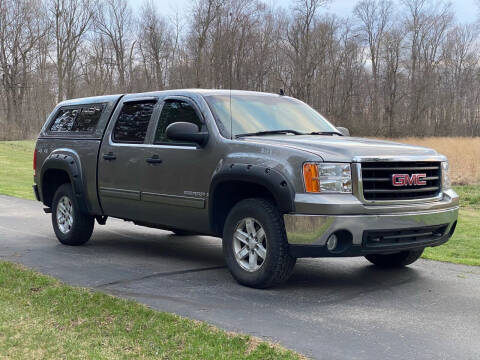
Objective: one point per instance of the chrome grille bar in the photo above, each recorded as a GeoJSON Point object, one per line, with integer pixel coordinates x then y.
{"type": "Point", "coordinates": [377, 180]}
{"type": "Point", "coordinates": [431, 188]}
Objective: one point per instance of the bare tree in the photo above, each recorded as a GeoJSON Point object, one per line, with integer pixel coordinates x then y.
{"type": "Point", "coordinates": [114, 21]}
{"type": "Point", "coordinates": [427, 27]}
{"type": "Point", "coordinates": [70, 21]}
{"type": "Point", "coordinates": [300, 47]}
{"type": "Point", "coordinates": [20, 30]}
{"type": "Point", "coordinates": [393, 69]}
{"type": "Point", "coordinates": [97, 65]}
{"type": "Point", "coordinates": [155, 45]}
{"type": "Point", "coordinates": [375, 18]}
{"type": "Point", "coordinates": [392, 56]}
{"type": "Point", "coordinates": [204, 14]}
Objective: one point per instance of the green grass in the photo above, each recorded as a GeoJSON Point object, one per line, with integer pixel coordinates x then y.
{"type": "Point", "coordinates": [41, 318]}
{"type": "Point", "coordinates": [469, 196]}
{"type": "Point", "coordinates": [464, 247]}
{"type": "Point", "coordinates": [16, 172]}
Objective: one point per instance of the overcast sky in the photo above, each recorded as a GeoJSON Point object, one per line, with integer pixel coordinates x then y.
{"type": "Point", "coordinates": [466, 10]}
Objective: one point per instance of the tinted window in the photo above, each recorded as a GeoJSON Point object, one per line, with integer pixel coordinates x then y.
{"type": "Point", "coordinates": [132, 123]}
{"type": "Point", "coordinates": [64, 120]}
{"type": "Point", "coordinates": [87, 119]}
{"type": "Point", "coordinates": [80, 119]}
{"type": "Point", "coordinates": [175, 111]}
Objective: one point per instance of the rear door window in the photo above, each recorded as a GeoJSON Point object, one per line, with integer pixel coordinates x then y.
{"type": "Point", "coordinates": [132, 123]}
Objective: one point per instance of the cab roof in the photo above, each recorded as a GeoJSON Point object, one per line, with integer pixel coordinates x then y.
{"type": "Point", "coordinates": [180, 92]}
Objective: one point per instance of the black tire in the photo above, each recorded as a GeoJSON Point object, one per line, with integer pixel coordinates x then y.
{"type": "Point", "coordinates": [82, 224]}
{"type": "Point", "coordinates": [278, 263]}
{"type": "Point", "coordinates": [396, 260]}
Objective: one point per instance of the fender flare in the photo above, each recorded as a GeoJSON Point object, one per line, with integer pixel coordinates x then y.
{"type": "Point", "coordinates": [275, 182]}
{"type": "Point", "coordinates": [69, 163]}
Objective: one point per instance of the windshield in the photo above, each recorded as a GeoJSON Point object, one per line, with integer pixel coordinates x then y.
{"type": "Point", "coordinates": [256, 113]}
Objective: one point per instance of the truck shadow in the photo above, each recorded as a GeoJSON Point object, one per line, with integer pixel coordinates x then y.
{"type": "Point", "coordinates": [352, 273]}
{"type": "Point", "coordinates": [197, 252]}
{"type": "Point", "coordinates": [164, 245]}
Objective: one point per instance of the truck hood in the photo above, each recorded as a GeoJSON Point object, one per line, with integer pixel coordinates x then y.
{"type": "Point", "coordinates": [343, 148]}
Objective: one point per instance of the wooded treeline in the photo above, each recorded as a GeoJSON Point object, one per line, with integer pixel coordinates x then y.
{"type": "Point", "coordinates": [390, 69]}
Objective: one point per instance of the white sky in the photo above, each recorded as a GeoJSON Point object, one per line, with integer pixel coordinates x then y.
{"type": "Point", "coordinates": [466, 10]}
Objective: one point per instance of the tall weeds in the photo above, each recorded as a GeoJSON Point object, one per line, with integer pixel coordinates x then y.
{"type": "Point", "coordinates": [463, 154]}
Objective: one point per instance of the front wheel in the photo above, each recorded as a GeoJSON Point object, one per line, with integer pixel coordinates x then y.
{"type": "Point", "coordinates": [255, 244]}
{"type": "Point", "coordinates": [395, 260]}
{"type": "Point", "coordinates": [71, 226]}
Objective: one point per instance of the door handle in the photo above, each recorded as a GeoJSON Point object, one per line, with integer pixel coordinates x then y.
{"type": "Point", "coordinates": [153, 160]}
{"type": "Point", "coordinates": [110, 156]}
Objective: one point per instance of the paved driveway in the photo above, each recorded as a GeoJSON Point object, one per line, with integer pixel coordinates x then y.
{"type": "Point", "coordinates": [329, 309]}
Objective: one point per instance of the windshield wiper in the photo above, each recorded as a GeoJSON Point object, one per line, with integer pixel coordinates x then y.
{"type": "Point", "coordinates": [324, 133]}
{"type": "Point", "coordinates": [270, 132]}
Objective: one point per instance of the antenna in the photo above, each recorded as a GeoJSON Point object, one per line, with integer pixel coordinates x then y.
{"type": "Point", "coordinates": [231, 120]}
{"type": "Point", "coordinates": [230, 85]}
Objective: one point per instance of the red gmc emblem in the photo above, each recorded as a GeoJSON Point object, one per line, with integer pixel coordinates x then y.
{"type": "Point", "coordinates": [408, 180]}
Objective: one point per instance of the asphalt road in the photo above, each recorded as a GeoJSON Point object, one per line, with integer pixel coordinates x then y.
{"type": "Point", "coordinates": [329, 309]}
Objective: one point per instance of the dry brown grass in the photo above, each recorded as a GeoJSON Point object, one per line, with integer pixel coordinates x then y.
{"type": "Point", "coordinates": [463, 154]}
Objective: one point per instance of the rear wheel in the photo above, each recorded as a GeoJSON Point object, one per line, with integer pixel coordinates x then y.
{"type": "Point", "coordinates": [255, 245]}
{"type": "Point", "coordinates": [395, 260]}
{"type": "Point", "coordinates": [71, 226]}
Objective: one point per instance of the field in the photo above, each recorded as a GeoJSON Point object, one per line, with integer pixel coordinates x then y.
{"type": "Point", "coordinates": [463, 155]}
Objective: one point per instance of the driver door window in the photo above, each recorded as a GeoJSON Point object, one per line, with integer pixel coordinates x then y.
{"type": "Point", "coordinates": [175, 111]}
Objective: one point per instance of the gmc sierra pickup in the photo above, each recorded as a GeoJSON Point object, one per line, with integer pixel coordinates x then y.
{"type": "Point", "coordinates": [265, 172]}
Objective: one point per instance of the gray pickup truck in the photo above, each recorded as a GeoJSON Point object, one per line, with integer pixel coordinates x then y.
{"type": "Point", "coordinates": [265, 172]}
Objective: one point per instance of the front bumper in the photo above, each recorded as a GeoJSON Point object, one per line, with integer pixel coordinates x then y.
{"type": "Point", "coordinates": [308, 234]}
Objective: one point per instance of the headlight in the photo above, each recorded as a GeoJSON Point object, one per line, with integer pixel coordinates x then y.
{"type": "Point", "coordinates": [327, 177]}
{"type": "Point", "coordinates": [446, 184]}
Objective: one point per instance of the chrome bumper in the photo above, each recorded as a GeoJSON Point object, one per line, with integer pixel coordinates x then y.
{"type": "Point", "coordinates": [315, 229]}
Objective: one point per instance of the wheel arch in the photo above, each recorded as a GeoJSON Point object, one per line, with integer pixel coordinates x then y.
{"type": "Point", "coordinates": [59, 168]}
{"type": "Point", "coordinates": [236, 182]}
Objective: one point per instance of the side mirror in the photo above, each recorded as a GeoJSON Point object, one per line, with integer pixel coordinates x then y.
{"type": "Point", "coordinates": [344, 131]}
{"type": "Point", "coordinates": [185, 131]}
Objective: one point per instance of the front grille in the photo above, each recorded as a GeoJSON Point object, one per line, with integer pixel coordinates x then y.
{"type": "Point", "coordinates": [378, 185]}
{"type": "Point", "coordinates": [389, 238]}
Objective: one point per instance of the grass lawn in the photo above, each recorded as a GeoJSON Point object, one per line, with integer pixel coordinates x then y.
{"type": "Point", "coordinates": [40, 318]}
{"type": "Point", "coordinates": [16, 168]}
{"type": "Point", "coordinates": [464, 246]}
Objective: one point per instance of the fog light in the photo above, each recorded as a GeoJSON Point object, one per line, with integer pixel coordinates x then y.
{"type": "Point", "coordinates": [332, 242]}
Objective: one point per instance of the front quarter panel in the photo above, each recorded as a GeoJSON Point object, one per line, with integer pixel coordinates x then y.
{"type": "Point", "coordinates": [278, 168]}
